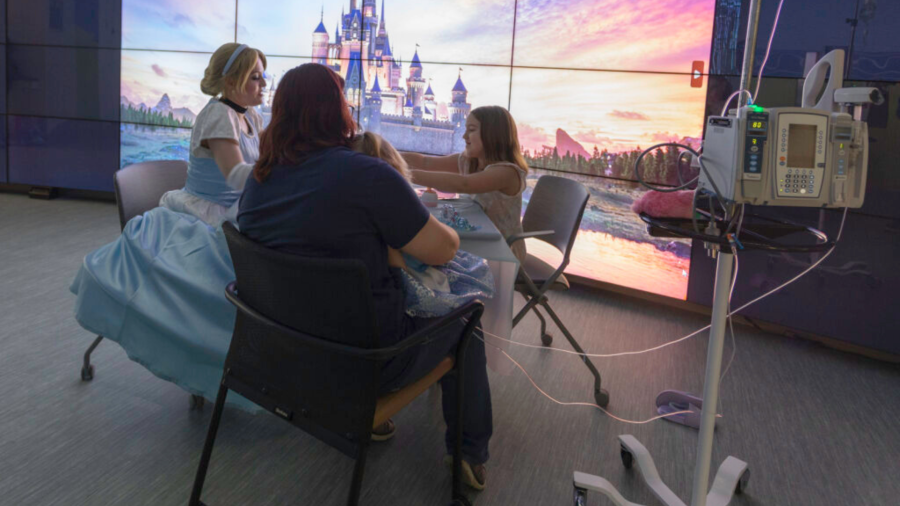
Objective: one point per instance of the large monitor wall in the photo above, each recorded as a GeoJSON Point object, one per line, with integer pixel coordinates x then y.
{"type": "Point", "coordinates": [59, 78]}
{"type": "Point", "coordinates": [589, 83]}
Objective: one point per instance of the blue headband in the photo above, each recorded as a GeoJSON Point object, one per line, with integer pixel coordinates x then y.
{"type": "Point", "coordinates": [234, 55]}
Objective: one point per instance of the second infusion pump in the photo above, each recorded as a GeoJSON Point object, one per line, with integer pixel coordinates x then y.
{"type": "Point", "coordinates": [786, 156]}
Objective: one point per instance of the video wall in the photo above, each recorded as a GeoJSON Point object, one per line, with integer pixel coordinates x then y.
{"type": "Point", "coordinates": [589, 82]}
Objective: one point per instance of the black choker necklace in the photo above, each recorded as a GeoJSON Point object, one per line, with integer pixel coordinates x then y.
{"type": "Point", "coordinates": [229, 103]}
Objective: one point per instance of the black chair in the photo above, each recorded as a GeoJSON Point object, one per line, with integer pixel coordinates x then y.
{"type": "Point", "coordinates": [553, 215]}
{"type": "Point", "coordinates": [138, 189]}
{"type": "Point", "coordinates": [309, 355]}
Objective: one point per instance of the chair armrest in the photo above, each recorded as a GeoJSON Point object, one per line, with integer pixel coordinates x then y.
{"type": "Point", "coordinates": [474, 308]}
{"type": "Point", "coordinates": [524, 235]}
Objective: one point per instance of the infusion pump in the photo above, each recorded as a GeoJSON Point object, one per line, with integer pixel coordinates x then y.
{"type": "Point", "coordinates": [816, 155]}
{"type": "Point", "coordinates": [786, 156]}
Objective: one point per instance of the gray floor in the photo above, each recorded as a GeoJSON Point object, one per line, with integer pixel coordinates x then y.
{"type": "Point", "coordinates": [816, 426]}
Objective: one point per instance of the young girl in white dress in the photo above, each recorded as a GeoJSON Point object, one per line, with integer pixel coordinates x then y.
{"type": "Point", "coordinates": [491, 168]}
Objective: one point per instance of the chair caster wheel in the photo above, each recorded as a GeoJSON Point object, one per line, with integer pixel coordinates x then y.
{"type": "Point", "coordinates": [742, 483]}
{"type": "Point", "coordinates": [197, 402]}
{"type": "Point", "coordinates": [580, 497]}
{"type": "Point", "coordinates": [87, 373]}
{"type": "Point", "coordinates": [627, 458]}
{"type": "Point", "coordinates": [602, 397]}
{"type": "Point", "coordinates": [546, 339]}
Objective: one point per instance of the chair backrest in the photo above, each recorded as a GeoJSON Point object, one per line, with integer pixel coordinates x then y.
{"type": "Point", "coordinates": [140, 186]}
{"type": "Point", "coordinates": [327, 394]}
{"type": "Point", "coordinates": [556, 204]}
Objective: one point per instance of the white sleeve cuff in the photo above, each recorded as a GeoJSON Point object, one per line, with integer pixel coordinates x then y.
{"type": "Point", "coordinates": [237, 178]}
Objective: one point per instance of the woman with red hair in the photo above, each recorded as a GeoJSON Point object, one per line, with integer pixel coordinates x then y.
{"type": "Point", "coordinates": [312, 195]}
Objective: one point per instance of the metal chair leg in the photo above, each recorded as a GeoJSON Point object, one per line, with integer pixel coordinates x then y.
{"type": "Point", "coordinates": [546, 339]}
{"type": "Point", "coordinates": [600, 395]}
{"type": "Point", "coordinates": [530, 302]}
{"type": "Point", "coordinates": [87, 370]}
{"type": "Point", "coordinates": [208, 447]}
{"type": "Point", "coordinates": [356, 485]}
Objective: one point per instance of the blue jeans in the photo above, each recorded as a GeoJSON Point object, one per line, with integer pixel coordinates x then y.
{"type": "Point", "coordinates": [420, 360]}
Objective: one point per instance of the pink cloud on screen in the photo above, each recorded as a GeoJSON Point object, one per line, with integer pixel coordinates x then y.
{"type": "Point", "coordinates": [656, 35]}
{"type": "Point", "coordinates": [533, 138]}
{"type": "Point", "coordinates": [629, 115]}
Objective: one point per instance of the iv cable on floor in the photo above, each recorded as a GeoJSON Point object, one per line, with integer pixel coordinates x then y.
{"type": "Point", "coordinates": [730, 324]}
{"type": "Point", "coordinates": [588, 404]}
{"type": "Point", "coordinates": [692, 334]}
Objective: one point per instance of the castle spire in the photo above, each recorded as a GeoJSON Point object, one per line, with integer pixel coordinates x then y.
{"type": "Point", "coordinates": [382, 13]}
{"type": "Point", "coordinates": [321, 27]}
{"type": "Point", "coordinates": [459, 86]}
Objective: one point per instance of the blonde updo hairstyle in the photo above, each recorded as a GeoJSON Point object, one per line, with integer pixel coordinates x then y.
{"type": "Point", "coordinates": [215, 84]}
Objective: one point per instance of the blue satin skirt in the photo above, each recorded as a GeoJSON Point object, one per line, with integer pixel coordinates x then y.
{"type": "Point", "coordinates": [159, 291]}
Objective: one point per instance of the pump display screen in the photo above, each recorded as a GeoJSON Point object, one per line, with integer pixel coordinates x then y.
{"type": "Point", "coordinates": [757, 127]}
{"type": "Point", "coordinates": [801, 151]}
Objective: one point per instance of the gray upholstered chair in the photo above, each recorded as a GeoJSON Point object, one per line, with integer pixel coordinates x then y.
{"type": "Point", "coordinates": [553, 215]}
{"type": "Point", "coordinates": [138, 189]}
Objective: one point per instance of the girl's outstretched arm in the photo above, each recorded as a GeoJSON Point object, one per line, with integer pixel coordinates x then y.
{"type": "Point", "coordinates": [418, 161]}
{"type": "Point", "coordinates": [503, 178]}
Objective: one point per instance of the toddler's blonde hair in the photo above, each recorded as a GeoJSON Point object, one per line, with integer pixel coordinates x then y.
{"type": "Point", "coordinates": [372, 144]}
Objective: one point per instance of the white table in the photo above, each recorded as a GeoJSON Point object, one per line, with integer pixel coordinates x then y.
{"type": "Point", "coordinates": [498, 311]}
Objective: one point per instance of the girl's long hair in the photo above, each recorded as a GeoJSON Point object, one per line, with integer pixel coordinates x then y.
{"type": "Point", "coordinates": [309, 113]}
{"type": "Point", "coordinates": [498, 136]}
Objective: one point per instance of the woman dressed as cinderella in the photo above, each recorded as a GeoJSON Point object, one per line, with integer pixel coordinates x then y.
{"type": "Point", "coordinates": [158, 290]}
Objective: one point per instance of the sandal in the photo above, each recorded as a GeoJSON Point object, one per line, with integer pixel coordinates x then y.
{"type": "Point", "coordinates": [384, 431]}
{"type": "Point", "coordinates": [473, 476]}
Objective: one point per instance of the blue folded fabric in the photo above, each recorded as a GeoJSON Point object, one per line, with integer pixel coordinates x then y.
{"type": "Point", "coordinates": [468, 276]}
{"type": "Point", "coordinates": [159, 291]}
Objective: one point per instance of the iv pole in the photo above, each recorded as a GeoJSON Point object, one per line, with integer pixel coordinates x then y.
{"type": "Point", "coordinates": [733, 474]}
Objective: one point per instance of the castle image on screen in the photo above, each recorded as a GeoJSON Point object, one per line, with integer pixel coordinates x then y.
{"type": "Point", "coordinates": [402, 109]}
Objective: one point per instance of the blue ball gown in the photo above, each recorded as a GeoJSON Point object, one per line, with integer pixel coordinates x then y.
{"type": "Point", "coordinates": [159, 289]}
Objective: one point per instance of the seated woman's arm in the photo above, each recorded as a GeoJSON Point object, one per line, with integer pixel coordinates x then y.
{"type": "Point", "coordinates": [418, 161]}
{"type": "Point", "coordinates": [230, 161]}
{"type": "Point", "coordinates": [435, 244]}
{"type": "Point", "coordinates": [500, 178]}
